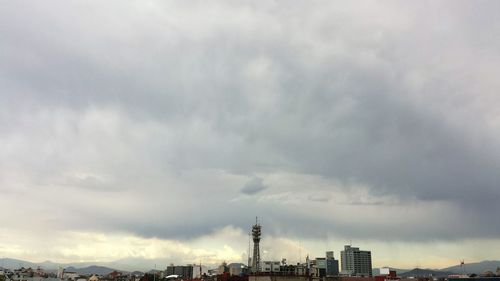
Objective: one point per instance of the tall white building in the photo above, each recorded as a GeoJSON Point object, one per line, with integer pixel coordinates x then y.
{"type": "Point", "coordinates": [356, 262]}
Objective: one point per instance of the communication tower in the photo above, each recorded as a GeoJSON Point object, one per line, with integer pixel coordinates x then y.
{"type": "Point", "coordinates": [256, 232]}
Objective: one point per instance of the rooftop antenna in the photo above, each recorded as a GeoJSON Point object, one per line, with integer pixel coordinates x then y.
{"type": "Point", "coordinates": [462, 265]}
{"type": "Point", "coordinates": [300, 253]}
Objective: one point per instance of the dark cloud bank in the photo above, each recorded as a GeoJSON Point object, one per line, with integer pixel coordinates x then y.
{"type": "Point", "coordinates": [147, 103]}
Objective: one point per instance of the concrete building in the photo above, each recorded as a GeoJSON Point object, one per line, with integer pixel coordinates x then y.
{"type": "Point", "coordinates": [223, 268]}
{"type": "Point", "coordinates": [184, 271]}
{"type": "Point", "coordinates": [320, 266]}
{"type": "Point", "coordinates": [70, 275]}
{"type": "Point", "coordinates": [277, 278]}
{"type": "Point", "coordinates": [332, 265]}
{"type": "Point", "coordinates": [294, 269]}
{"type": "Point", "coordinates": [324, 267]}
{"type": "Point", "coordinates": [236, 268]}
{"type": "Point", "coordinates": [60, 272]}
{"type": "Point", "coordinates": [288, 269]}
{"type": "Point", "coordinates": [356, 262]}
{"type": "Point", "coordinates": [199, 270]}
{"type": "Point", "coordinates": [270, 266]}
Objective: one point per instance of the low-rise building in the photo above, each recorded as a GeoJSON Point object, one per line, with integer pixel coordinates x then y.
{"type": "Point", "coordinates": [70, 275]}
{"type": "Point", "coordinates": [270, 266]}
{"type": "Point", "coordinates": [236, 268]}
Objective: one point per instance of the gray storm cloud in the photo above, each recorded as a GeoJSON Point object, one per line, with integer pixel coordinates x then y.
{"type": "Point", "coordinates": [253, 186]}
{"type": "Point", "coordinates": [169, 107]}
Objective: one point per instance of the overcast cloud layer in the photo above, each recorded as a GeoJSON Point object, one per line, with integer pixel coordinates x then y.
{"type": "Point", "coordinates": [176, 123]}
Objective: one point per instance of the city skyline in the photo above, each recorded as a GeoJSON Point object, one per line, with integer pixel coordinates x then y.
{"type": "Point", "coordinates": [156, 131]}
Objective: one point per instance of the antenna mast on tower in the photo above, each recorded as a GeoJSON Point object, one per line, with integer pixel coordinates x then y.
{"type": "Point", "coordinates": [249, 257]}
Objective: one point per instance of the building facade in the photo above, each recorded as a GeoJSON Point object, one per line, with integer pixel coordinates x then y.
{"type": "Point", "coordinates": [332, 265]}
{"type": "Point", "coordinates": [320, 265]}
{"type": "Point", "coordinates": [356, 262]}
{"type": "Point", "coordinates": [236, 268]}
{"type": "Point", "coordinates": [185, 271]}
{"type": "Point", "coordinates": [271, 266]}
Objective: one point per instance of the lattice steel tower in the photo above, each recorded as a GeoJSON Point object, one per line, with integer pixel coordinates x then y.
{"type": "Point", "coordinates": [256, 231]}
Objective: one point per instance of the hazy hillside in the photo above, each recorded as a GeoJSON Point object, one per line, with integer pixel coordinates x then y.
{"type": "Point", "coordinates": [93, 269]}
{"type": "Point", "coordinates": [477, 267]}
{"type": "Point", "coordinates": [14, 263]}
{"type": "Point", "coordinates": [81, 268]}
{"type": "Point", "coordinates": [425, 272]}
{"type": "Point", "coordinates": [124, 265]}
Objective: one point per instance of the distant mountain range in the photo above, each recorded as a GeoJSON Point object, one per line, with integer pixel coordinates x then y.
{"type": "Point", "coordinates": [426, 272]}
{"type": "Point", "coordinates": [93, 269]}
{"type": "Point", "coordinates": [144, 265]}
{"type": "Point", "coordinates": [477, 267]}
{"type": "Point", "coordinates": [80, 268]}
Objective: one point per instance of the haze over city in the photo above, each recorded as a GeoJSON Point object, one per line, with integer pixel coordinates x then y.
{"type": "Point", "coordinates": [154, 132]}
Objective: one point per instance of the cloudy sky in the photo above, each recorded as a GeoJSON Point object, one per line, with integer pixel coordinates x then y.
{"type": "Point", "coordinates": [155, 131]}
